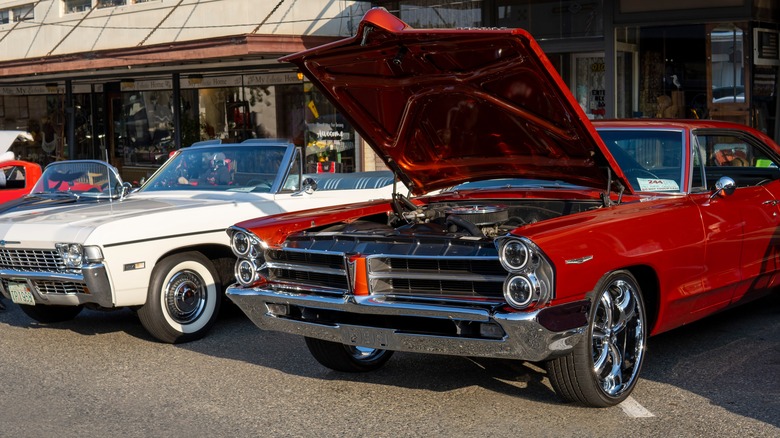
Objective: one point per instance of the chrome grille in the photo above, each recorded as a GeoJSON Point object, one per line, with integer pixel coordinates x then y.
{"type": "Point", "coordinates": [480, 278]}
{"type": "Point", "coordinates": [31, 260]}
{"type": "Point", "coordinates": [308, 268]}
{"type": "Point", "coordinates": [475, 276]}
{"type": "Point", "coordinates": [54, 287]}
{"type": "Point", "coordinates": [59, 287]}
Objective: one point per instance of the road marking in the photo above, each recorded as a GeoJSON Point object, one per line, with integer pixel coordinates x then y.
{"type": "Point", "coordinates": [632, 408]}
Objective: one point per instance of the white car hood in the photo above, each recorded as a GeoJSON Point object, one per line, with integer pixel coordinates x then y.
{"type": "Point", "coordinates": [137, 217]}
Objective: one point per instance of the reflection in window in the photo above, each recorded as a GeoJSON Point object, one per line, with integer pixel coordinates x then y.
{"type": "Point", "coordinates": [429, 14]}
{"type": "Point", "coordinates": [23, 13]}
{"type": "Point", "coordinates": [728, 69]}
{"type": "Point", "coordinates": [73, 6]}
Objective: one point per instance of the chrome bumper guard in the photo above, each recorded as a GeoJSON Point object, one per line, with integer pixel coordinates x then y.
{"type": "Point", "coordinates": [526, 335]}
{"type": "Point", "coordinates": [93, 276]}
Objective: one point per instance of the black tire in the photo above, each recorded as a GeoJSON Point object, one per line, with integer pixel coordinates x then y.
{"type": "Point", "coordinates": [604, 366]}
{"type": "Point", "coordinates": [184, 298]}
{"type": "Point", "coordinates": [347, 358]}
{"type": "Point", "coordinates": [51, 314]}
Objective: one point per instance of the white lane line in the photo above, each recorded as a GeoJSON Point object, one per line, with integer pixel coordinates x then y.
{"type": "Point", "coordinates": [632, 408]}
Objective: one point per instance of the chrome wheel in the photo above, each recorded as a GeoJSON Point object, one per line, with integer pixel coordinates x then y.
{"type": "Point", "coordinates": [185, 296]}
{"type": "Point", "coordinates": [618, 334]}
{"type": "Point", "coordinates": [603, 367]}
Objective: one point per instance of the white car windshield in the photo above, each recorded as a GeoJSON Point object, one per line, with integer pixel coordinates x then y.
{"type": "Point", "coordinates": [237, 168]}
{"type": "Point", "coordinates": [87, 178]}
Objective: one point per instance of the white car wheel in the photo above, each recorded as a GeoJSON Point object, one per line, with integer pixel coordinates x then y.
{"type": "Point", "coordinates": [184, 298]}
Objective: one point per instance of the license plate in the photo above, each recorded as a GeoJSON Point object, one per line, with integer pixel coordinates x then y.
{"type": "Point", "coordinates": [20, 293]}
{"type": "Point", "coordinates": [365, 337]}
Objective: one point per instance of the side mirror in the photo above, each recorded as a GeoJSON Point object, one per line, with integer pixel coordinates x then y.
{"type": "Point", "coordinates": [724, 186]}
{"type": "Point", "coordinates": [126, 189]}
{"type": "Point", "coordinates": [308, 186]}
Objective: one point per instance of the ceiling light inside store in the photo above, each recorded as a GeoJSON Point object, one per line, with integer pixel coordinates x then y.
{"type": "Point", "coordinates": [127, 83]}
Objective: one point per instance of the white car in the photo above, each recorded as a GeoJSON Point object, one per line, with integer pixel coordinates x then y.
{"type": "Point", "coordinates": [162, 249]}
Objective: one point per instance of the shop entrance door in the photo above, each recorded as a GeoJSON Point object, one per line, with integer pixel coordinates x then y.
{"type": "Point", "coordinates": [588, 83]}
{"type": "Point", "coordinates": [626, 81]}
{"type": "Point", "coordinates": [728, 90]}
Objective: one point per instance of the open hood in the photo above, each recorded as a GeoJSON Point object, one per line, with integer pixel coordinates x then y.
{"type": "Point", "coordinates": [445, 106]}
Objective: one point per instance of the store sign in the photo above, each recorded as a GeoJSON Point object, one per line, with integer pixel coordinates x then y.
{"type": "Point", "coordinates": [158, 84]}
{"type": "Point", "coordinates": [43, 89]}
{"type": "Point", "coordinates": [211, 82]}
{"type": "Point", "coordinates": [766, 47]}
{"type": "Point", "coordinates": [272, 79]}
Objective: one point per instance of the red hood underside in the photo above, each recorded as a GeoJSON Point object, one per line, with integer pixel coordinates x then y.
{"type": "Point", "coordinates": [442, 107]}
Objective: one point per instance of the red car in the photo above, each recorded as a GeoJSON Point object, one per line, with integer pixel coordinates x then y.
{"type": "Point", "coordinates": [550, 239]}
{"type": "Point", "coordinates": [17, 178]}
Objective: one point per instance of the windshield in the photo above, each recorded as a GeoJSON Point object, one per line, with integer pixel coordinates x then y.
{"type": "Point", "coordinates": [652, 160]}
{"type": "Point", "coordinates": [94, 179]}
{"type": "Point", "coordinates": [238, 168]}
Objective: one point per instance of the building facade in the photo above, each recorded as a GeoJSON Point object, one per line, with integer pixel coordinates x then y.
{"type": "Point", "coordinates": [131, 80]}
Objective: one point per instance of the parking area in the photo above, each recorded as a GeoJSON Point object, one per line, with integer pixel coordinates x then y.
{"type": "Point", "coordinates": [103, 375]}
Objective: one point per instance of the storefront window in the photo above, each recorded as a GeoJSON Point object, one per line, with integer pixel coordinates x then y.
{"type": "Point", "coordinates": [428, 14]}
{"type": "Point", "coordinates": [146, 127]}
{"type": "Point", "coordinates": [43, 116]}
{"type": "Point", "coordinates": [273, 106]}
{"type": "Point", "coordinates": [728, 69]}
{"type": "Point", "coordinates": [552, 18]}
{"type": "Point", "coordinates": [330, 142]}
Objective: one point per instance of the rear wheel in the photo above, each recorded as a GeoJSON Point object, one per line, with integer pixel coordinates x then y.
{"type": "Point", "coordinates": [347, 358]}
{"type": "Point", "coordinates": [603, 368]}
{"type": "Point", "coordinates": [183, 300]}
{"type": "Point", "coordinates": [51, 314]}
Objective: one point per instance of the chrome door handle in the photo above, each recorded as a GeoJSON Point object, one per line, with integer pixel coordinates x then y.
{"type": "Point", "coordinates": [771, 202]}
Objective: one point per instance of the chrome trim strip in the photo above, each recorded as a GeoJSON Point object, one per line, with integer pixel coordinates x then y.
{"type": "Point", "coordinates": [434, 275]}
{"type": "Point", "coordinates": [93, 276]}
{"type": "Point", "coordinates": [305, 268]}
{"type": "Point", "coordinates": [579, 261]}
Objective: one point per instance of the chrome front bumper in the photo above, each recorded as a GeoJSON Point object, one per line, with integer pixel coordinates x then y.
{"type": "Point", "coordinates": [93, 277]}
{"type": "Point", "coordinates": [530, 336]}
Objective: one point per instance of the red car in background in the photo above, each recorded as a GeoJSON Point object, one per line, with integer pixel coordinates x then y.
{"type": "Point", "coordinates": [17, 177]}
{"type": "Point", "coordinates": [551, 239]}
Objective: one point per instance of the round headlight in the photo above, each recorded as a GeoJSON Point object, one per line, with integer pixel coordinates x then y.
{"type": "Point", "coordinates": [519, 291]}
{"type": "Point", "coordinates": [514, 255]}
{"type": "Point", "coordinates": [240, 243]}
{"type": "Point", "coordinates": [245, 272]}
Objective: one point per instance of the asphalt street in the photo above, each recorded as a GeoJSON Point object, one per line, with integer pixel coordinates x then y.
{"type": "Point", "coordinates": [102, 375]}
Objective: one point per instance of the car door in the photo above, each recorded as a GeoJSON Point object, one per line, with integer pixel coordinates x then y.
{"type": "Point", "coordinates": [743, 225]}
